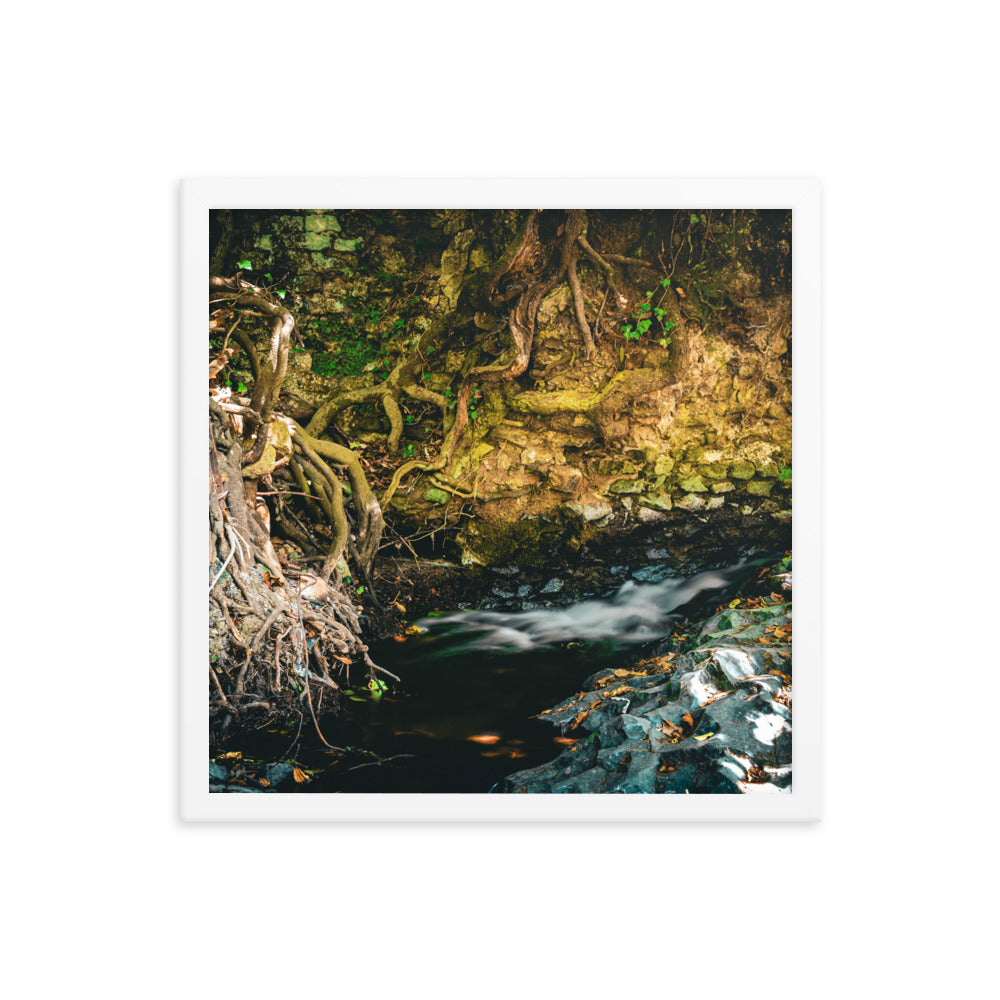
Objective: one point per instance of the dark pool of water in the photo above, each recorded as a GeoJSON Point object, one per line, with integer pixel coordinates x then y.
{"type": "Point", "coordinates": [461, 723]}
{"type": "Point", "coordinates": [463, 717]}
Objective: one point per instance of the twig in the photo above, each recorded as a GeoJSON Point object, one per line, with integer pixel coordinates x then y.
{"type": "Point", "coordinates": [379, 762]}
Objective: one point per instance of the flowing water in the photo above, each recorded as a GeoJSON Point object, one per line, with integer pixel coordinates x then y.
{"type": "Point", "coordinates": [472, 683]}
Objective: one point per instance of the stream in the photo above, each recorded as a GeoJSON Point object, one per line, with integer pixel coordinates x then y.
{"type": "Point", "coordinates": [473, 684]}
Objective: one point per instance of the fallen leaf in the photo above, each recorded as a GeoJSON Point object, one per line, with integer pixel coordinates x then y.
{"type": "Point", "coordinates": [299, 775]}
{"type": "Point", "coordinates": [484, 738]}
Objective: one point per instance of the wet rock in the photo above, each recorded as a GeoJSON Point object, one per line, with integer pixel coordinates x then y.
{"type": "Point", "coordinates": [715, 719]}
{"type": "Point", "coordinates": [639, 777]}
{"type": "Point", "coordinates": [553, 586]}
{"type": "Point", "coordinates": [652, 574]}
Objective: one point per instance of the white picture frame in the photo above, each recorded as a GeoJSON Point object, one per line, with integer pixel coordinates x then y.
{"type": "Point", "coordinates": [802, 196]}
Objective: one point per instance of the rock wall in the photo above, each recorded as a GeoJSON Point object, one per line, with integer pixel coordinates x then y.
{"type": "Point", "coordinates": [687, 439]}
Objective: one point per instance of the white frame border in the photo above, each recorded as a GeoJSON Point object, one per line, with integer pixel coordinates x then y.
{"type": "Point", "coordinates": [802, 196]}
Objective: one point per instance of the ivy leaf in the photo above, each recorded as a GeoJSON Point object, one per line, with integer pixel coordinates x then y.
{"type": "Point", "coordinates": [245, 264]}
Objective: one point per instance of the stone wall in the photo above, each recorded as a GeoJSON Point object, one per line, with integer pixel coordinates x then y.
{"type": "Point", "coordinates": [708, 441]}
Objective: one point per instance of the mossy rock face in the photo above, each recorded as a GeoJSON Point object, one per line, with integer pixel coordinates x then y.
{"type": "Point", "coordinates": [661, 502]}
{"type": "Point", "coordinates": [437, 496]}
{"type": "Point", "coordinates": [724, 487]}
{"type": "Point", "coordinates": [664, 466]}
{"type": "Point", "coordinates": [553, 304]}
{"type": "Point", "coordinates": [322, 223]}
{"type": "Point", "coordinates": [616, 467]}
{"type": "Point", "coordinates": [715, 472]}
{"type": "Point", "coordinates": [317, 241]}
{"type": "Point", "coordinates": [693, 484]}
{"type": "Point", "coordinates": [627, 486]}
{"type": "Point", "coordinates": [741, 470]}
{"type": "Point", "coordinates": [521, 543]}
{"type": "Point", "coordinates": [759, 488]}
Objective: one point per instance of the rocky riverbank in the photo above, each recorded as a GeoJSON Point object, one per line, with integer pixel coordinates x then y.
{"type": "Point", "coordinates": [708, 712]}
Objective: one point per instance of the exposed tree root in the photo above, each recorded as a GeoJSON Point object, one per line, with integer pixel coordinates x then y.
{"type": "Point", "coordinates": [299, 624]}
{"type": "Point", "coordinates": [524, 279]}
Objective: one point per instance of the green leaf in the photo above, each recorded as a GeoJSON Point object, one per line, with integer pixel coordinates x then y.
{"type": "Point", "coordinates": [664, 282]}
{"type": "Point", "coordinates": [268, 276]}
{"type": "Point", "coordinates": [281, 294]}
{"type": "Point", "coordinates": [245, 264]}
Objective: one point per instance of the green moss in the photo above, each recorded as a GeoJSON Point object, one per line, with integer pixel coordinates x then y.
{"type": "Point", "coordinates": [693, 484]}
{"type": "Point", "coordinates": [615, 467]}
{"type": "Point", "coordinates": [742, 470]}
{"type": "Point", "coordinates": [315, 241]}
{"type": "Point", "coordinates": [627, 486]}
{"type": "Point", "coordinates": [713, 471]}
{"type": "Point", "coordinates": [759, 488]}
{"type": "Point", "coordinates": [661, 502]}
{"type": "Point", "coordinates": [529, 542]}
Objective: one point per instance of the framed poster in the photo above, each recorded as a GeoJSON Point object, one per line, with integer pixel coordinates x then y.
{"type": "Point", "coordinates": [500, 500]}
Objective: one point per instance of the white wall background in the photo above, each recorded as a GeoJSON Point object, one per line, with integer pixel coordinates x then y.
{"type": "Point", "coordinates": [107, 105]}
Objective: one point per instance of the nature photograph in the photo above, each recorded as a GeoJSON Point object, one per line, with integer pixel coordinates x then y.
{"type": "Point", "coordinates": [500, 501]}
